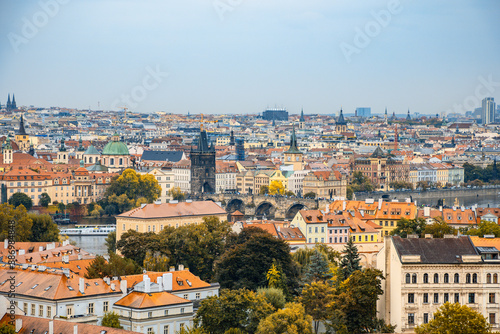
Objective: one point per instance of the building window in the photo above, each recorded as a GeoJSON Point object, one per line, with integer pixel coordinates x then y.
{"type": "Point", "coordinates": [33, 309]}
{"type": "Point", "coordinates": [488, 278]}
{"type": "Point", "coordinates": [150, 314]}
{"type": "Point", "coordinates": [426, 298]}
{"type": "Point", "coordinates": [492, 318]}
{"type": "Point", "coordinates": [411, 298]}
{"type": "Point", "coordinates": [407, 278]}
{"type": "Point", "coordinates": [426, 318]}
{"type": "Point", "coordinates": [457, 298]}
{"type": "Point", "coordinates": [491, 298]}
{"type": "Point", "coordinates": [197, 296]}
{"type": "Point", "coordinates": [457, 278]}
{"type": "Point", "coordinates": [436, 298]}
{"type": "Point", "coordinates": [474, 278]}
{"type": "Point", "coordinates": [182, 310]}
{"type": "Point", "coordinates": [495, 278]}
{"type": "Point", "coordinates": [411, 318]}
{"type": "Point", "coordinates": [91, 308]}
{"type": "Point", "coordinates": [49, 311]}
{"type": "Point", "coordinates": [472, 298]}
{"type": "Point", "coordinates": [436, 278]}
{"type": "Point", "coordinates": [446, 298]}
{"type": "Point", "coordinates": [185, 296]}
{"type": "Point", "coordinates": [40, 310]}
{"type": "Point", "coordinates": [150, 330]}
{"type": "Point", "coordinates": [414, 278]}
{"type": "Point", "coordinates": [165, 329]}
{"type": "Point", "coordinates": [446, 278]}
{"type": "Point", "coordinates": [105, 306]}
{"type": "Point", "coordinates": [467, 278]}
{"type": "Point", "coordinates": [426, 278]}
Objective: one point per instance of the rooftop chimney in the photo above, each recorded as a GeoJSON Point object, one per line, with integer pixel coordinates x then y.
{"type": "Point", "coordinates": [181, 267]}
{"type": "Point", "coordinates": [22, 252]}
{"type": "Point", "coordinates": [159, 282]}
{"type": "Point", "coordinates": [427, 211]}
{"type": "Point", "coordinates": [380, 203]}
{"type": "Point", "coordinates": [167, 281]}
{"type": "Point", "coordinates": [489, 236]}
{"type": "Point", "coordinates": [412, 236]}
{"type": "Point", "coordinates": [75, 329]}
{"type": "Point", "coordinates": [172, 269]}
{"type": "Point", "coordinates": [65, 243]}
{"type": "Point", "coordinates": [462, 208]}
{"type": "Point", "coordinates": [81, 285]}
{"type": "Point", "coordinates": [147, 284]}
{"type": "Point", "coordinates": [19, 325]}
{"type": "Point", "coordinates": [123, 286]}
{"type": "Point", "coordinates": [52, 245]}
{"type": "Point", "coordinates": [106, 280]}
{"type": "Point", "coordinates": [51, 327]}
{"type": "Point", "coordinates": [80, 256]}
{"type": "Point", "coordinates": [441, 209]}
{"type": "Point", "coordinates": [66, 272]}
{"type": "Point", "coordinates": [65, 258]}
{"type": "Point", "coordinates": [344, 205]}
{"type": "Point", "coordinates": [113, 286]}
{"type": "Point", "coordinates": [6, 244]}
{"type": "Point", "coordinates": [428, 236]}
{"type": "Point", "coordinates": [40, 249]}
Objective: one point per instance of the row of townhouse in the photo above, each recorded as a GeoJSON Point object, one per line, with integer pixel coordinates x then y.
{"type": "Point", "coordinates": [440, 173]}
{"type": "Point", "coordinates": [424, 273]}
{"type": "Point", "coordinates": [79, 185]}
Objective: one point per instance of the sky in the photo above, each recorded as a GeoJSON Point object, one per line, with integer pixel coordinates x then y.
{"type": "Point", "coordinates": [244, 56]}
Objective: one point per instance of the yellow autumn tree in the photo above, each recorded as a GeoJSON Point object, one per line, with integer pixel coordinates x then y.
{"type": "Point", "coordinates": [276, 188]}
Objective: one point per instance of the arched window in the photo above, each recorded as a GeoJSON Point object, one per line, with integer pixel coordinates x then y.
{"type": "Point", "coordinates": [457, 278]}
{"type": "Point", "coordinates": [467, 278]}
{"type": "Point", "coordinates": [436, 278]}
{"type": "Point", "coordinates": [111, 161]}
{"type": "Point", "coordinates": [426, 278]}
{"type": "Point", "coordinates": [474, 278]}
{"type": "Point", "coordinates": [85, 159]}
{"type": "Point", "coordinates": [121, 161]}
{"type": "Point", "coordinates": [495, 278]}
{"type": "Point", "coordinates": [414, 278]}
{"type": "Point", "coordinates": [446, 278]}
{"type": "Point", "coordinates": [408, 278]}
{"type": "Point", "coordinates": [488, 278]}
{"type": "Point", "coordinates": [90, 160]}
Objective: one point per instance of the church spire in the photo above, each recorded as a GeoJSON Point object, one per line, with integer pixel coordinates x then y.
{"type": "Point", "coordinates": [302, 119]}
{"type": "Point", "coordinates": [21, 132]}
{"type": "Point", "coordinates": [293, 143]}
{"type": "Point", "coordinates": [13, 104]}
{"type": "Point", "coordinates": [7, 107]}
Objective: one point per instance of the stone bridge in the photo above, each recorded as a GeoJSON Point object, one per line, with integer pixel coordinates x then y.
{"type": "Point", "coordinates": [270, 207]}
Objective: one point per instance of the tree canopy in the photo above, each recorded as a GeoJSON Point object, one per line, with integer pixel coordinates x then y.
{"type": "Point", "coordinates": [290, 320]}
{"type": "Point", "coordinates": [276, 188]}
{"type": "Point", "coordinates": [439, 228]}
{"type": "Point", "coordinates": [21, 199]}
{"type": "Point", "coordinates": [455, 318]}
{"type": "Point", "coordinates": [490, 173]}
{"type": "Point", "coordinates": [45, 200]}
{"type": "Point", "coordinates": [177, 194]}
{"type": "Point", "coordinates": [485, 227]}
{"type": "Point", "coordinates": [116, 266]}
{"type": "Point", "coordinates": [361, 182]}
{"type": "Point", "coordinates": [350, 260]}
{"type": "Point", "coordinates": [409, 226]}
{"type": "Point", "coordinates": [111, 319]}
{"type": "Point", "coordinates": [27, 227]}
{"type": "Point", "coordinates": [43, 228]}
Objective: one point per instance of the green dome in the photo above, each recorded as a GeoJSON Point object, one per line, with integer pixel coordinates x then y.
{"type": "Point", "coordinates": [115, 147]}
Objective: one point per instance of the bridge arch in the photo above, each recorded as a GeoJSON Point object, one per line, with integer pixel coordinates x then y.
{"type": "Point", "coordinates": [265, 209]}
{"type": "Point", "coordinates": [235, 204]}
{"type": "Point", "coordinates": [293, 209]}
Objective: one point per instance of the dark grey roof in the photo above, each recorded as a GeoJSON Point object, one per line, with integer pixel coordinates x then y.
{"type": "Point", "coordinates": [172, 156]}
{"type": "Point", "coordinates": [437, 250]}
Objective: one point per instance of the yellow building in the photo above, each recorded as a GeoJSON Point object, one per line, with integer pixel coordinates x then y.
{"type": "Point", "coordinates": [277, 175]}
{"type": "Point", "coordinates": [155, 217]}
{"type": "Point", "coordinates": [389, 213]}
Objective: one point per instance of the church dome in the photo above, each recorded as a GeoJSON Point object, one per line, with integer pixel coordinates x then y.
{"type": "Point", "coordinates": [115, 147]}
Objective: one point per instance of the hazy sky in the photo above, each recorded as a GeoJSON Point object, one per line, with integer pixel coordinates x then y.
{"type": "Point", "coordinates": [242, 56]}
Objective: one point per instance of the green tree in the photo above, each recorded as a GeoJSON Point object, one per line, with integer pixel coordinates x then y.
{"type": "Point", "coordinates": [316, 297]}
{"type": "Point", "coordinates": [484, 228]}
{"type": "Point", "coordinates": [276, 188]}
{"type": "Point", "coordinates": [401, 185]}
{"type": "Point", "coordinates": [22, 223]}
{"type": "Point", "coordinates": [177, 194]}
{"type": "Point", "coordinates": [61, 207]}
{"type": "Point", "coordinates": [111, 242]}
{"type": "Point", "coordinates": [354, 308]}
{"type": "Point", "coordinates": [45, 200]}
{"type": "Point", "coordinates": [273, 296]}
{"type": "Point", "coordinates": [241, 309]}
{"type": "Point", "coordinates": [439, 228]}
{"type": "Point", "coordinates": [134, 245]}
{"type": "Point", "coordinates": [350, 260]}
{"type": "Point", "coordinates": [116, 266]}
{"type": "Point", "coordinates": [111, 319]}
{"type": "Point", "coordinates": [264, 190]}
{"type": "Point", "coordinates": [43, 228]}
{"type": "Point", "coordinates": [349, 193]}
{"type": "Point", "coordinates": [318, 269]}
{"type": "Point", "coordinates": [97, 211]}
{"type": "Point", "coordinates": [290, 320]}
{"type": "Point", "coordinates": [455, 318]}
{"type": "Point", "coordinates": [248, 258]}
{"type": "Point", "coordinates": [193, 330]}
{"type": "Point", "coordinates": [361, 183]}
{"type": "Point", "coordinates": [21, 199]}
{"type": "Point", "coordinates": [7, 329]}
{"type": "Point", "coordinates": [409, 226]}
{"type": "Point", "coordinates": [311, 195]}
{"type": "Point", "coordinates": [155, 262]}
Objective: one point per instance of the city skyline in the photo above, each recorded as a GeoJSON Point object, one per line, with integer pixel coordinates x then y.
{"type": "Point", "coordinates": [243, 57]}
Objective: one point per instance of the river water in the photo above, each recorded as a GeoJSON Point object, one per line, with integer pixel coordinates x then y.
{"type": "Point", "coordinates": [92, 244]}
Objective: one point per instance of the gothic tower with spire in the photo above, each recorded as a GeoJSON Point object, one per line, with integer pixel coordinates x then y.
{"type": "Point", "coordinates": [62, 155]}
{"type": "Point", "coordinates": [340, 124]}
{"type": "Point", "coordinates": [22, 138]}
{"type": "Point", "coordinates": [203, 166]}
{"type": "Point", "coordinates": [294, 156]}
{"type": "Point", "coordinates": [302, 120]}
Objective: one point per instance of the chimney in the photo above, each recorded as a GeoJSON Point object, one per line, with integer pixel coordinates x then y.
{"type": "Point", "coordinates": [123, 286]}
{"type": "Point", "coordinates": [81, 285]}
{"type": "Point", "coordinates": [159, 282]}
{"type": "Point", "coordinates": [75, 329]}
{"type": "Point", "coordinates": [428, 236]}
{"type": "Point", "coordinates": [19, 325]}
{"type": "Point", "coordinates": [454, 208]}
{"type": "Point", "coordinates": [66, 272]}
{"type": "Point", "coordinates": [40, 249]}
{"type": "Point", "coordinates": [65, 243]}
{"type": "Point", "coordinates": [462, 208]}
{"type": "Point", "coordinates": [65, 259]}
{"type": "Point", "coordinates": [380, 203]}
{"type": "Point", "coordinates": [113, 286]}
{"type": "Point", "coordinates": [106, 280]}
{"type": "Point", "coordinates": [344, 205]}
{"type": "Point", "coordinates": [181, 267]}
{"type": "Point", "coordinates": [441, 209]}
{"type": "Point", "coordinates": [167, 281]}
{"type": "Point", "coordinates": [412, 236]}
{"type": "Point", "coordinates": [6, 244]}
{"type": "Point", "coordinates": [172, 269]}
{"type": "Point", "coordinates": [51, 245]}
{"type": "Point", "coordinates": [408, 200]}
{"type": "Point", "coordinates": [427, 211]}
{"type": "Point", "coordinates": [147, 284]}
{"type": "Point", "coordinates": [51, 327]}
{"type": "Point", "coordinates": [80, 256]}
{"type": "Point", "coordinates": [22, 252]}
